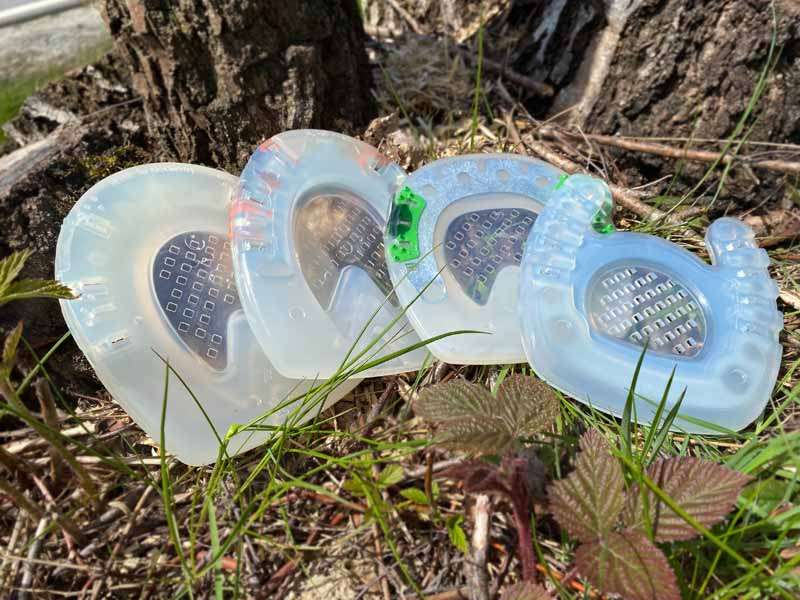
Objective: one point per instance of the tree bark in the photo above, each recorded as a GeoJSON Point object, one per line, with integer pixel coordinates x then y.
{"type": "Point", "coordinates": [678, 69]}
{"type": "Point", "coordinates": [218, 76]}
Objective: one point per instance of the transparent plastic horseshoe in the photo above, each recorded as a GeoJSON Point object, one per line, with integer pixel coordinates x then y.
{"type": "Point", "coordinates": [147, 251]}
{"type": "Point", "coordinates": [455, 239]}
{"type": "Point", "coordinates": [307, 228]}
{"type": "Point", "coordinates": [590, 303]}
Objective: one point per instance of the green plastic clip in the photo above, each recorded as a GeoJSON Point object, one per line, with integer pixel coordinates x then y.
{"type": "Point", "coordinates": [602, 222]}
{"type": "Point", "coordinates": [403, 225]}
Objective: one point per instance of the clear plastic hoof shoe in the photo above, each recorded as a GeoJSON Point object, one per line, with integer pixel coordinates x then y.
{"type": "Point", "coordinates": [147, 251]}
{"type": "Point", "coordinates": [307, 226]}
{"type": "Point", "coordinates": [454, 245]}
{"type": "Point", "coordinates": [590, 304]}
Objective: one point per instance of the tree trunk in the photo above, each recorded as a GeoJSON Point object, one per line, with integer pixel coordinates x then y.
{"type": "Point", "coordinates": [218, 76]}
{"type": "Point", "coordinates": [666, 69]}
{"type": "Point", "coordinates": [683, 69]}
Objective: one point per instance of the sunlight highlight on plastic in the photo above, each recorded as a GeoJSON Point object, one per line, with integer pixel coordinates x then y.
{"type": "Point", "coordinates": [307, 228]}
{"type": "Point", "coordinates": [146, 249]}
{"type": "Point", "coordinates": [590, 303]}
{"type": "Point", "coordinates": [468, 238]}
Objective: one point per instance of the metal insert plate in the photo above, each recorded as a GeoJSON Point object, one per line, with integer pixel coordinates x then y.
{"type": "Point", "coordinates": [194, 283]}
{"type": "Point", "coordinates": [334, 231]}
{"type": "Point", "coordinates": [636, 303]}
{"type": "Point", "coordinates": [480, 244]}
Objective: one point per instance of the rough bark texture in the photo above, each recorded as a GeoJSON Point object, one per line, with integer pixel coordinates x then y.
{"type": "Point", "coordinates": [690, 69]}
{"type": "Point", "coordinates": [547, 39]}
{"type": "Point", "coordinates": [665, 68]}
{"type": "Point", "coordinates": [103, 86]}
{"type": "Point", "coordinates": [217, 76]}
{"type": "Point", "coordinates": [76, 132]}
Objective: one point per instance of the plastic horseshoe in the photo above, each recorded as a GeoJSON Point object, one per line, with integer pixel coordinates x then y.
{"type": "Point", "coordinates": [146, 250]}
{"type": "Point", "coordinates": [307, 227]}
{"type": "Point", "coordinates": [590, 303]}
{"type": "Point", "coordinates": [454, 245]}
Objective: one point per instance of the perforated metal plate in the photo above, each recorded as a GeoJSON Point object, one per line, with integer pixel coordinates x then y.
{"type": "Point", "coordinates": [194, 284]}
{"type": "Point", "coordinates": [334, 231]}
{"type": "Point", "coordinates": [636, 303]}
{"type": "Point", "coordinates": [589, 303]}
{"type": "Point", "coordinates": [480, 244]}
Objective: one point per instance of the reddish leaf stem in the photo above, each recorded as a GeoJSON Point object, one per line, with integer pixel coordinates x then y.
{"type": "Point", "coordinates": [520, 503]}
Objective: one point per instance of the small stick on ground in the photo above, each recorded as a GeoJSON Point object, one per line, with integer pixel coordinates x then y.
{"type": "Point", "coordinates": [776, 226]}
{"type": "Point", "coordinates": [412, 22]}
{"type": "Point", "coordinates": [382, 575]}
{"type": "Point", "coordinates": [532, 85]}
{"type": "Point", "coordinates": [50, 418]}
{"type": "Point", "coordinates": [622, 196]}
{"type": "Point", "coordinates": [477, 576]}
{"type": "Point", "coordinates": [782, 166]}
{"type": "Point", "coordinates": [376, 412]}
{"type": "Point", "coordinates": [33, 552]}
{"type": "Point", "coordinates": [19, 524]}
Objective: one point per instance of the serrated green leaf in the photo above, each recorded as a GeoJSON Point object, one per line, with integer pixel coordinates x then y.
{"type": "Point", "coordinates": [456, 533]}
{"type": "Point", "coordinates": [527, 405]}
{"type": "Point", "coordinates": [706, 490]}
{"type": "Point", "coordinates": [10, 267]}
{"type": "Point", "coordinates": [476, 436]}
{"type": "Point", "coordinates": [588, 502]}
{"type": "Point", "coordinates": [628, 564]}
{"type": "Point", "coordinates": [390, 475]}
{"type": "Point", "coordinates": [526, 590]}
{"type": "Point", "coordinates": [36, 288]}
{"type": "Point", "coordinates": [10, 347]}
{"type": "Point", "coordinates": [416, 495]}
{"type": "Point", "coordinates": [478, 477]}
{"type": "Point", "coordinates": [353, 486]}
{"type": "Point", "coordinates": [471, 419]}
{"type": "Point", "coordinates": [464, 413]}
{"type": "Point", "coordinates": [453, 401]}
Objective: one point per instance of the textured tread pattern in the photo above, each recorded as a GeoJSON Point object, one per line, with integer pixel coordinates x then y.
{"type": "Point", "coordinates": [335, 231]}
{"type": "Point", "coordinates": [194, 283]}
{"type": "Point", "coordinates": [637, 303]}
{"type": "Point", "coordinates": [480, 244]}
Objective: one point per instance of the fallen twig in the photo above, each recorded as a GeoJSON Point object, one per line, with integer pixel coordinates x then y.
{"type": "Point", "coordinates": [773, 228]}
{"type": "Point", "coordinates": [776, 226]}
{"type": "Point", "coordinates": [532, 85]}
{"type": "Point", "coordinates": [477, 575]}
{"type": "Point", "coordinates": [783, 166]}
{"type": "Point", "coordinates": [33, 552]}
{"type": "Point", "coordinates": [412, 22]}
{"type": "Point", "coordinates": [50, 418]}
{"type": "Point", "coordinates": [622, 196]}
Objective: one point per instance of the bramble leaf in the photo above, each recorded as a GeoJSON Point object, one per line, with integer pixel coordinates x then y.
{"type": "Point", "coordinates": [627, 564]}
{"type": "Point", "coordinates": [10, 347]}
{"type": "Point", "coordinates": [526, 404]}
{"type": "Point", "coordinates": [705, 490]}
{"type": "Point", "coordinates": [526, 590]}
{"type": "Point", "coordinates": [416, 495]}
{"type": "Point", "coordinates": [10, 267]}
{"type": "Point", "coordinates": [456, 533]}
{"type": "Point", "coordinates": [478, 477]}
{"type": "Point", "coordinates": [588, 502]}
{"type": "Point", "coordinates": [453, 400]}
{"type": "Point", "coordinates": [465, 415]}
{"type": "Point", "coordinates": [390, 475]}
{"type": "Point", "coordinates": [471, 419]}
{"type": "Point", "coordinates": [26, 289]}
